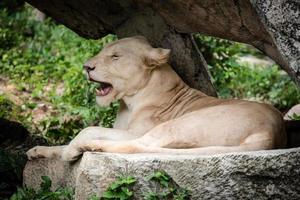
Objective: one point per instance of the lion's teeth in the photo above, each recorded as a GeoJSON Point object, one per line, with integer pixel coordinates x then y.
{"type": "Point", "coordinates": [103, 91]}
{"type": "Point", "coordinates": [98, 92]}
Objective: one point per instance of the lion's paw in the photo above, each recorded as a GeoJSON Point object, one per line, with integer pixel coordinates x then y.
{"type": "Point", "coordinates": [36, 152]}
{"type": "Point", "coordinates": [71, 154]}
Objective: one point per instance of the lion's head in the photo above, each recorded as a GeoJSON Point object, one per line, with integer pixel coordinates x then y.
{"type": "Point", "coordinates": [123, 68]}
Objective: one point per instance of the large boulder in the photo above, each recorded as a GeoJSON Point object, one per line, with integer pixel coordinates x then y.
{"type": "Point", "coordinates": [270, 25]}
{"type": "Point", "coordinates": [273, 174]}
{"type": "Point", "coordinates": [281, 19]}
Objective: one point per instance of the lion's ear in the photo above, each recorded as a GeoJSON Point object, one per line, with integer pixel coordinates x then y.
{"type": "Point", "coordinates": [157, 57]}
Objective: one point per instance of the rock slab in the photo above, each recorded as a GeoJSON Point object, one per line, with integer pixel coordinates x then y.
{"type": "Point", "coordinates": [273, 174]}
{"type": "Point", "coordinates": [272, 26]}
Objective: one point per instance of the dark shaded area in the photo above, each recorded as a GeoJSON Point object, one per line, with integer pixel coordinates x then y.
{"type": "Point", "coordinates": [14, 142]}
{"type": "Point", "coordinates": [293, 133]}
{"type": "Point", "coordinates": [11, 5]}
{"type": "Point", "coordinates": [12, 132]}
{"type": "Point", "coordinates": [11, 170]}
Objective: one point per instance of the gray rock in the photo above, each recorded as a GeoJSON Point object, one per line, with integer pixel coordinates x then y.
{"type": "Point", "coordinates": [292, 111]}
{"type": "Point", "coordinates": [273, 174]}
{"type": "Point", "coordinates": [273, 26]}
{"type": "Point", "coordinates": [282, 20]}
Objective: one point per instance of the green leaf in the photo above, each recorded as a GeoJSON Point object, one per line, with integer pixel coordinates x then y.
{"type": "Point", "coordinates": [46, 183]}
{"type": "Point", "coordinates": [294, 116]}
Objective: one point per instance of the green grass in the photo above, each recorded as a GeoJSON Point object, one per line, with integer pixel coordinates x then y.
{"type": "Point", "coordinates": [38, 58]}
{"type": "Point", "coordinates": [239, 80]}
{"type": "Point", "coordinates": [44, 193]}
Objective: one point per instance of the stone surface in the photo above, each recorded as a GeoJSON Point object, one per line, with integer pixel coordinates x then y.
{"type": "Point", "coordinates": [272, 26]}
{"type": "Point", "coordinates": [273, 174]}
{"type": "Point", "coordinates": [282, 20]}
{"type": "Point", "coordinates": [295, 110]}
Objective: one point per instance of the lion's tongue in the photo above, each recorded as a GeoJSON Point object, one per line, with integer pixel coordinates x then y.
{"type": "Point", "coordinates": [103, 91]}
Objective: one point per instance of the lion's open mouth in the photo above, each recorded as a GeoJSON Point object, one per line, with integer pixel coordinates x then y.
{"type": "Point", "coordinates": [103, 89]}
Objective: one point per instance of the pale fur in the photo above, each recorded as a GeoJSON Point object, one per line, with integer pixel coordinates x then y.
{"type": "Point", "coordinates": [159, 113]}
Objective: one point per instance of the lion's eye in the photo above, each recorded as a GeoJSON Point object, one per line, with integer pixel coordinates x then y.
{"type": "Point", "coordinates": [115, 57]}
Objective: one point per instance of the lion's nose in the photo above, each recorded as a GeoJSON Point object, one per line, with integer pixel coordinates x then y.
{"type": "Point", "coordinates": [88, 68]}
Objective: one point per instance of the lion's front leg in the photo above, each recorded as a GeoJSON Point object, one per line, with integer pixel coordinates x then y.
{"type": "Point", "coordinates": [45, 152]}
{"type": "Point", "coordinates": [69, 152]}
{"type": "Point", "coordinates": [73, 151]}
{"type": "Point", "coordinates": [80, 143]}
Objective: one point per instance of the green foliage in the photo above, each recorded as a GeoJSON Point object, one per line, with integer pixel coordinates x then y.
{"type": "Point", "coordinates": [167, 188]}
{"type": "Point", "coordinates": [6, 107]}
{"type": "Point", "coordinates": [41, 58]}
{"type": "Point", "coordinates": [44, 193]}
{"type": "Point", "coordinates": [94, 197]}
{"type": "Point", "coordinates": [9, 110]}
{"type": "Point", "coordinates": [294, 116]}
{"type": "Point", "coordinates": [161, 177]}
{"type": "Point", "coordinates": [60, 129]}
{"type": "Point", "coordinates": [120, 189]}
{"type": "Point", "coordinates": [238, 80]}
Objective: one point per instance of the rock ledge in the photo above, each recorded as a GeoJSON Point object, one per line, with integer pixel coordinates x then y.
{"type": "Point", "coordinates": [271, 174]}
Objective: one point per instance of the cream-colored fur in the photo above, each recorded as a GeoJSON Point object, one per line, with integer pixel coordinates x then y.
{"type": "Point", "coordinates": [161, 114]}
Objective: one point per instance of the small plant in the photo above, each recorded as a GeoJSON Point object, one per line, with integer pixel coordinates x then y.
{"type": "Point", "coordinates": [294, 116]}
{"type": "Point", "coordinates": [6, 107]}
{"type": "Point", "coordinates": [168, 188]}
{"type": "Point", "coordinates": [120, 189]}
{"type": "Point", "coordinates": [44, 193]}
{"type": "Point", "coordinates": [11, 111]}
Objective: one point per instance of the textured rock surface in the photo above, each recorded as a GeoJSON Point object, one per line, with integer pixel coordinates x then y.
{"type": "Point", "coordinates": [272, 26]}
{"type": "Point", "coordinates": [264, 175]}
{"type": "Point", "coordinates": [282, 20]}
{"type": "Point", "coordinates": [295, 110]}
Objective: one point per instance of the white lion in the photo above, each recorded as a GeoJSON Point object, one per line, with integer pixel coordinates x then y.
{"type": "Point", "coordinates": [159, 113]}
